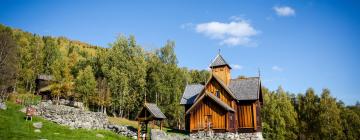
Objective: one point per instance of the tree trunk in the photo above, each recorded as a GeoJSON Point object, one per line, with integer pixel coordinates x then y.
{"type": "Point", "coordinates": [58, 100]}
{"type": "Point", "coordinates": [128, 114]}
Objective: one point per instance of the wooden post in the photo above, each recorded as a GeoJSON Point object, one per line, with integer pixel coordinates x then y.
{"type": "Point", "coordinates": [254, 115]}
{"type": "Point", "coordinates": [161, 125]}
{"type": "Point", "coordinates": [153, 124]}
{"type": "Point", "coordinates": [139, 130]}
{"type": "Point", "coordinates": [146, 128]}
{"type": "Point", "coordinates": [226, 121]}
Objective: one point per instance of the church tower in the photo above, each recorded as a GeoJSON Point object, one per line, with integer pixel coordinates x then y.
{"type": "Point", "coordinates": [221, 69]}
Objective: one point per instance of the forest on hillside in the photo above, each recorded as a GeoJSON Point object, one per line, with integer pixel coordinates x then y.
{"type": "Point", "coordinates": [115, 80]}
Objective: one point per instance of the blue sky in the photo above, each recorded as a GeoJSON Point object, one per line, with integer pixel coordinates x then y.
{"type": "Point", "coordinates": [297, 43]}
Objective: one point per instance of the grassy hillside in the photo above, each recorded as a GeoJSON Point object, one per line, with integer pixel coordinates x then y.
{"type": "Point", "coordinates": [13, 126]}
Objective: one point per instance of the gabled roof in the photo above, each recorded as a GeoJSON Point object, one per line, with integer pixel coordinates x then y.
{"type": "Point", "coordinates": [155, 112]}
{"type": "Point", "coordinates": [45, 77]}
{"type": "Point", "coordinates": [241, 89]}
{"type": "Point", "coordinates": [153, 108]}
{"type": "Point", "coordinates": [219, 61]}
{"type": "Point", "coordinates": [222, 84]}
{"type": "Point", "coordinates": [246, 88]}
{"type": "Point", "coordinates": [190, 93]}
{"type": "Point", "coordinates": [212, 97]}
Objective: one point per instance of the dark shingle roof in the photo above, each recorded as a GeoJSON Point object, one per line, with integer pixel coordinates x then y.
{"type": "Point", "coordinates": [45, 77]}
{"type": "Point", "coordinates": [155, 111]}
{"type": "Point", "coordinates": [245, 89]}
{"type": "Point", "coordinates": [219, 61]}
{"type": "Point", "coordinates": [190, 93]}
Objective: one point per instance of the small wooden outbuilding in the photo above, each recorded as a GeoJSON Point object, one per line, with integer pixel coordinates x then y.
{"type": "Point", "coordinates": [43, 86]}
{"type": "Point", "coordinates": [149, 113]}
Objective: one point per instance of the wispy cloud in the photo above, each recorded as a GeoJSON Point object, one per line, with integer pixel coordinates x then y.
{"type": "Point", "coordinates": [238, 32]}
{"type": "Point", "coordinates": [236, 18]}
{"type": "Point", "coordinates": [237, 66]}
{"type": "Point", "coordinates": [284, 11]}
{"type": "Point", "coordinates": [277, 68]}
{"type": "Point", "coordinates": [187, 25]}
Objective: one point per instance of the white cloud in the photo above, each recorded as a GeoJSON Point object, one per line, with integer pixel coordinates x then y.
{"type": "Point", "coordinates": [237, 66]}
{"type": "Point", "coordinates": [277, 68]}
{"type": "Point", "coordinates": [284, 11]}
{"type": "Point", "coordinates": [235, 33]}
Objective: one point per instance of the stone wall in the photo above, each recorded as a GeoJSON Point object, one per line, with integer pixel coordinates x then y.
{"type": "Point", "coordinates": [71, 116]}
{"type": "Point", "coordinates": [123, 130]}
{"type": "Point", "coordinates": [156, 134]}
{"type": "Point", "coordinates": [226, 136]}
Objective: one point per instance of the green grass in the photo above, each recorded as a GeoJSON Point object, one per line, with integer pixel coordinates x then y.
{"type": "Point", "coordinates": [14, 127]}
{"type": "Point", "coordinates": [134, 124]}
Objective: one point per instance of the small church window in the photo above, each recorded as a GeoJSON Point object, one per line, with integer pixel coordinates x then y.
{"type": "Point", "coordinates": [218, 93]}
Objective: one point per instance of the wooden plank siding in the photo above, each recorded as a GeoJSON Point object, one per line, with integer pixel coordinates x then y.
{"type": "Point", "coordinates": [223, 73]}
{"type": "Point", "coordinates": [246, 115]}
{"type": "Point", "coordinates": [207, 108]}
{"type": "Point", "coordinates": [213, 86]}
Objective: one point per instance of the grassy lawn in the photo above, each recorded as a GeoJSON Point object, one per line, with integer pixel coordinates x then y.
{"type": "Point", "coordinates": [14, 127]}
{"type": "Point", "coordinates": [134, 124]}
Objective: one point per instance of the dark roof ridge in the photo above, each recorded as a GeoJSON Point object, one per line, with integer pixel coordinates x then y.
{"type": "Point", "coordinates": [155, 110]}
{"type": "Point", "coordinates": [246, 78]}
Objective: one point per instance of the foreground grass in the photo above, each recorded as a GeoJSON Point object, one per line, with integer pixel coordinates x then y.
{"type": "Point", "coordinates": [14, 127]}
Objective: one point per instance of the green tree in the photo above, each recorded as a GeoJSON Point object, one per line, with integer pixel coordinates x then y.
{"type": "Point", "coordinates": [350, 122]}
{"type": "Point", "coordinates": [85, 84]}
{"type": "Point", "coordinates": [51, 53]}
{"type": "Point", "coordinates": [279, 115]}
{"type": "Point", "coordinates": [329, 117]}
{"type": "Point", "coordinates": [167, 54]}
{"type": "Point", "coordinates": [308, 109]}
{"type": "Point", "coordinates": [8, 61]}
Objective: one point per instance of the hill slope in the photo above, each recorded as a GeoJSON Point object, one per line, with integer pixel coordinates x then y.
{"type": "Point", "coordinates": [13, 126]}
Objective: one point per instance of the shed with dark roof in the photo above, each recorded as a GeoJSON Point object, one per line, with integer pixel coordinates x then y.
{"type": "Point", "coordinates": [149, 112]}
{"type": "Point", "coordinates": [43, 85]}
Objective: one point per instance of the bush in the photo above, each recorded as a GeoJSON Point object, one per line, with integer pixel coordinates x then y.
{"type": "Point", "coordinates": [26, 98]}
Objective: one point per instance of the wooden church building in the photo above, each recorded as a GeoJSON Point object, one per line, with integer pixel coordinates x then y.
{"type": "Point", "coordinates": [223, 104]}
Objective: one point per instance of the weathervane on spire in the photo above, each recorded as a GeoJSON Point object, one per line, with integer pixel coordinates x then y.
{"type": "Point", "coordinates": [219, 51]}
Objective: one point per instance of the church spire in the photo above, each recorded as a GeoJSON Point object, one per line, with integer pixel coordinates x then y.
{"type": "Point", "coordinates": [219, 61]}
{"type": "Point", "coordinates": [221, 68]}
